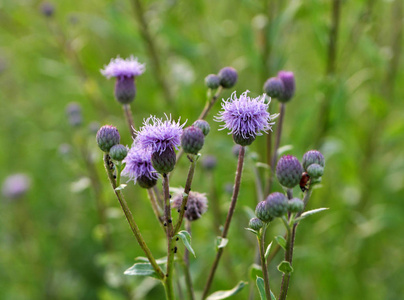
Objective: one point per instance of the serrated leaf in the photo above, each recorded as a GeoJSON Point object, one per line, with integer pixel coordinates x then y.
{"type": "Point", "coordinates": [255, 270]}
{"type": "Point", "coordinates": [309, 213]}
{"type": "Point", "coordinates": [261, 288]}
{"type": "Point", "coordinates": [226, 294]}
{"type": "Point", "coordinates": [121, 187]}
{"type": "Point", "coordinates": [285, 267]}
{"type": "Point", "coordinates": [186, 239]}
{"type": "Point", "coordinates": [281, 241]}
{"type": "Point", "coordinates": [268, 250]}
{"type": "Point", "coordinates": [252, 230]}
{"type": "Point", "coordinates": [141, 269]}
{"type": "Point", "coordinates": [221, 242]}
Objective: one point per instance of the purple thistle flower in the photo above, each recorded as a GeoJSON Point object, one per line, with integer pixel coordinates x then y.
{"type": "Point", "coordinates": [138, 166]}
{"type": "Point", "coordinates": [158, 135]}
{"type": "Point", "coordinates": [119, 67]}
{"type": "Point", "coordinates": [245, 116]}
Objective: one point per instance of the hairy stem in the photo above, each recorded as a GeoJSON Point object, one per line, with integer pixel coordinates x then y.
{"type": "Point", "coordinates": [288, 258]}
{"type": "Point", "coordinates": [226, 227]}
{"type": "Point", "coordinates": [130, 219]}
{"type": "Point", "coordinates": [261, 244]}
{"type": "Point", "coordinates": [187, 273]}
{"type": "Point", "coordinates": [154, 205]}
{"type": "Point", "coordinates": [129, 119]}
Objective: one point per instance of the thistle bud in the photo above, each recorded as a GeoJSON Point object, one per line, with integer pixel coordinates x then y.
{"type": "Point", "coordinates": [212, 81]}
{"type": "Point", "coordinates": [209, 162]}
{"type": "Point", "coordinates": [192, 140]}
{"type": "Point", "coordinates": [146, 182]}
{"type": "Point", "coordinates": [47, 9]}
{"type": "Point", "coordinates": [196, 205]}
{"type": "Point", "coordinates": [276, 204]}
{"type": "Point", "coordinates": [73, 112]}
{"type": "Point", "coordinates": [228, 77]}
{"type": "Point", "coordinates": [315, 171]}
{"type": "Point", "coordinates": [125, 89]}
{"type": "Point", "coordinates": [255, 224]}
{"type": "Point", "coordinates": [295, 205]}
{"type": "Point", "coordinates": [202, 125]}
{"type": "Point", "coordinates": [289, 171]}
{"type": "Point", "coordinates": [274, 88]}
{"type": "Point", "coordinates": [164, 162]}
{"type": "Point", "coordinates": [288, 80]}
{"type": "Point", "coordinates": [118, 152]}
{"type": "Point", "coordinates": [243, 141]}
{"type": "Point", "coordinates": [107, 136]}
{"type": "Point", "coordinates": [262, 212]}
{"type": "Point", "coordinates": [313, 157]}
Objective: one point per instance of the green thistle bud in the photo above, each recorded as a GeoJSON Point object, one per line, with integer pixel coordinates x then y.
{"type": "Point", "coordinates": [313, 157]}
{"type": "Point", "coordinates": [107, 136]}
{"type": "Point", "coordinates": [315, 171]}
{"type": "Point", "coordinates": [255, 224]}
{"type": "Point", "coordinates": [212, 81]}
{"type": "Point", "coordinates": [202, 125]}
{"type": "Point", "coordinates": [262, 212]}
{"type": "Point", "coordinates": [118, 152]}
{"type": "Point", "coordinates": [164, 163]}
{"type": "Point", "coordinates": [277, 204]}
{"type": "Point", "coordinates": [192, 140]}
{"type": "Point", "coordinates": [295, 205]}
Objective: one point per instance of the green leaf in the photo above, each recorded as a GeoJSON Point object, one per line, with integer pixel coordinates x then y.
{"type": "Point", "coordinates": [285, 267]}
{"type": "Point", "coordinates": [252, 230]}
{"type": "Point", "coordinates": [272, 296]}
{"type": "Point", "coordinates": [268, 250]}
{"type": "Point", "coordinates": [281, 241]}
{"type": "Point", "coordinates": [141, 269]}
{"type": "Point", "coordinates": [186, 239]}
{"type": "Point", "coordinates": [159, 261]}
{"type": "Point", "coordinates": [262, 165]}
{"type": "Point", "coordinates": [309, 213]}
{"type": "Point", "coordinates": [226, 294]}
{"type": "Point", "coordinates": [283, 149]}
{"type": "Point", "coordinates": [261, 288]}
{"type": "Point", "coordinates": [221, 242]}
{"type": "Point", "coordinates": [121, 187]}
{"type": "Point", "coordinates": [250, 213]}
{"type": "Point", "coordinates": [255, 270]}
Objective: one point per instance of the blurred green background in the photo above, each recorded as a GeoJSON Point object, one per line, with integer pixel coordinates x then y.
{"type": "Point", "coordinates": [347, 60]}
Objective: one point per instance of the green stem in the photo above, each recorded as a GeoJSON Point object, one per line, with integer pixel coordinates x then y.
{"type": "Point", "coordinates": [261, 244]}
{"type": "Point", "coordinates": [288, 258]}
{"type": "Point", "coordinates": [130, 219]}
{"type": "Point", "coordinates": [187, 272]}
{"type": "Point", "coordinates": [155, 207]}
{"type": "Point", "coordinates": [129, 119]}
{"type": "Point", "coordinates": [237, 183]}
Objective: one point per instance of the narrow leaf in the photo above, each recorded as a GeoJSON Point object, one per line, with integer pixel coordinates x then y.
{"type": "Point", "coordinates": [272, 296]}
{"type": "Point", "coordinates": [262, 165]}
{"type": "Point", "coordinates": [186, 239]}
{"type": "Point", "coordinates": [226, 294]}
{"type": "Point", "coordinates": [309, 213]}
{"type": "Point", "coordinates": [268, 250]}
{"type": "Point", "coordinates": [121, 187]}
{"type": "Point", "coordinates": [252, 230]}
{"type": "Point", "coordinates": [261, 288]}
{"type": "Point", "coordinates": [255, 271]}
{"type": "Point", "coordinates": [141, 269]}
{"type": "Point", "coordinates": [221, 242]}
{"type": "Point", "coordinates": [159, 261]}
{"type": "Point", "coordinates": [283, 149]}
{"type": "Point", "coordinates": [281, 241]}
{"type": "Point", "coordinates": [285, 267]}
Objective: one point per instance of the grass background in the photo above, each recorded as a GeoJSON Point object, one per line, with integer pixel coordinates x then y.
{"type": "Point", "coordinates": [348, 105]}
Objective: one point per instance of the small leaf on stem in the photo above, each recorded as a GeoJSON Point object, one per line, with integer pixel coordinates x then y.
{"type": "Point", "coordinates": [121, 187]}
{"type": "Point", "coordinates": [309, 213]}
{"type": "Point", "coordinates": [186, 239]}
{"type": "Point", "coordinates": [281, 241]}
{"type": "Point", "coordinates": [221, 242]}
{"type": "Point", "coordinates": [142, 269]}
{"type": "Point", "coordinates": [285, 267]}
{"type": "Point", "coordinates": [255, 271]}
{"type": "Point", "coordinates": [226, 294]}
{"type": "Point", "coordinates": [252, 230]}
{"type": "Point", "coordinates": [268, 250]}
{"type": "Point", "coordinates": [261, 288]}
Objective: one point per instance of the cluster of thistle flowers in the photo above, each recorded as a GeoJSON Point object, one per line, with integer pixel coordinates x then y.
{"type": "Point", "coordinates": [290, 173]}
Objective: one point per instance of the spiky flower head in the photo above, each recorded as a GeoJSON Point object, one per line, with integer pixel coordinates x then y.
{"type": "Point", "coordinates": [288, 80]}
{"type": "Point", "coordinates": [262, 212]}
{"type": "Point", "coordinates": [212, 81]}
{"type": "Point", "coordinates": [107, 136]}
{"type": "Point", "coordinates": [289, 171]}
{"type": "Point", "coordinates": [15, 186]}
{"type": "Point", "coordinates": [313, 157]}
{"type": "Point", "coordinates": [158, 135]}
{"type": "Point", "coordinates": [276, 204]}
{"type": "Point", "coordinates": [139, 167]}
{"type": "Point", "coordinates": [295, 205]}
{"type": "Point", "coordinates": [245, 117]}
{"type": "Point", "coordinates": [315, 171]}
{"type": "Point", "coordinates": [255, 224]}
{"type": "Point", "coordinates": [119, 67]}
{"type": "Point", "coordinates": [73, 112]}
{"type": "Point", "coordinates": [202, 125]}
{"type": "Point", "coordinates": [228, 77]}
{"type": "Point", "coordinates": [273, 87]}
{"type": "Point", "coordinates": [164, 162]}
{"type": "Point", "coordinates": [192, 140]}
{"type": "Point", "coordinates": [118, 152]}
{"type": "Point", "coordinates": [197, 205]}
{"type": "Point", "coordinates": [209, 162]}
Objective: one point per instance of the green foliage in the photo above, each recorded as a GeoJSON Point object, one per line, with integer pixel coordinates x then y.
{"type": "Point", "coordinates": [186, 239]}
{"type": "Point", "coordinates": [281, 241]}
{"type": "Point", "coordinates": [141, 269]}
{"type": "Point", "coordinates": [285, 267]}
{"type": "Point", "coordinates": [227, 294]}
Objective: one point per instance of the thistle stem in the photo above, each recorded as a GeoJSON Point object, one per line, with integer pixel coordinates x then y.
{"type": "Point", "coordinates": [277, 143]}
{"type": "Point", "coordinates": [129, 119]}
{"type": "Point", "coordinates": [154, 205]}
{"type": "Point", "coordinates": [261, 244]}
{"type": "Point", "coordinates": [232, 207]}
{"type": "Point", "coordinates": [130, 219]}
{"type": "Point", "coordinates": [187, 273]}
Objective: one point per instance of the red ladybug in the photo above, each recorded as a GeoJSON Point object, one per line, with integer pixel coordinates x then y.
{"type": "Point", "coordinates": [304, 182]}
